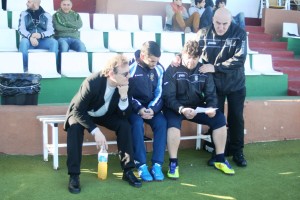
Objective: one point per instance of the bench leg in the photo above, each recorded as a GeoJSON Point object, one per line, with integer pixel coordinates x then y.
{"type": "Point", "coordinates": [55, 145]}
{"type": "Point", "coordinates": [198, 141]}
{"type": "Point", "coordinates": [45, 141]}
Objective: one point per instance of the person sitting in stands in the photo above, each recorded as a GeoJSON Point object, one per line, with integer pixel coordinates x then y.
{"type": "Point", "coordinates": [66, 24]}
{"type": "Point", "coordinates": [178, 18]}
{"type": "Point", "coordinates": [206, 13]}
{"type": "Point", "coordinates": [36, 29]}
{"type": "Point", "coordinates": [239, 19]}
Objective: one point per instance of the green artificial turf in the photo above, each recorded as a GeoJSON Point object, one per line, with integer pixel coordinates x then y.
{"type": "Point", "coordinates": [273, 172]}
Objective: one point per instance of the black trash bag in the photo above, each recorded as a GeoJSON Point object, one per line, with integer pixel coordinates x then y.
{"type": "Point", "coordinates": [19, 83]}
{"type": "Point", "coordinates": [19, 89]}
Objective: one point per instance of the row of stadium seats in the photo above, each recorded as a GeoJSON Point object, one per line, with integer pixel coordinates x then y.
{"type": "Point", "coordinates": [73, 64]}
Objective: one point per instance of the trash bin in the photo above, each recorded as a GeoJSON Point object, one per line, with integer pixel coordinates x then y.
{"type": "Point", "coordinates": [19, 88]}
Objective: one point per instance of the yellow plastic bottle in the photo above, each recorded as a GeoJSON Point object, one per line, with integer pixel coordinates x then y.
{"type": "Point", "coordinates": [102, 163]}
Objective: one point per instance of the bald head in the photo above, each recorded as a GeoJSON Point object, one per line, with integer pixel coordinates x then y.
{"type": "Point", "coordinates": [222, 21]}
{"type": "Point", "coordinates": [33, 4]}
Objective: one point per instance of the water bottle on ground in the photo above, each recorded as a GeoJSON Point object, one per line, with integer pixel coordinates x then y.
{"type": "Point", "coordinates": [102, 163]}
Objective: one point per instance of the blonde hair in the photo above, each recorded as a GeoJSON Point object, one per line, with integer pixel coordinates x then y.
{"type": "Point", "coordinates": [113, 63]}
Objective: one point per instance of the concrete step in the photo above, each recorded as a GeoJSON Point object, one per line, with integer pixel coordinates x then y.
{"type": "Point", "coordinates": [268, 45]}
{"type": "Point", "coordinates": [253, 36]}
{"type": "Point", "coordinates": [275, 52]}
{"type": "Point", "coordinates": [294, 87]}
{"type": "Point", "coordinates": [286, 62]}
{"type": "Point", "coordinates": [293, 73]}
{"type": "Point", "coordinates": [257, 29]}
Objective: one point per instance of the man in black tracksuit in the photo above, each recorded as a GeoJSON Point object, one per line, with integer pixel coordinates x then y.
{"type": "Point", "coordinates": [224, 54]}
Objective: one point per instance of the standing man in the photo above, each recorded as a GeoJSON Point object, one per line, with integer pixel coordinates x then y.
{"type": "Point", "coordinates": [224, 53]}
{"type": "Point", "coordinates": [103, 100]}
{"type": "Point", "coordinates": [146, 84]}
{"type": "Point", "coordinates": [36, 29]}
{"type": "Point", "coordinates": [185, 89]}
{"type": "Point", "coordinates": [66, 24]}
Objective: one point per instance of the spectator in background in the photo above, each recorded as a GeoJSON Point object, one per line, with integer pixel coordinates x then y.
{"type": "Point", "coordinates": [66, 24]}
{"type": "Point", "coordinates": [178, 18]}
{"type": "Point", "coordinates": [239, 19]}
{"type": "Point", "coordinates": [146, 84]}
{"type": "Point", "coordinates": [36, 29]}
{"type": "Point", "coordinates": [185, 89]}
{"type": "Point", "coordinates": [206, 13]}
{"type": "Point", "coordinates": [224, 57]}
{"type": "Point", "coordinates": [209, 3]}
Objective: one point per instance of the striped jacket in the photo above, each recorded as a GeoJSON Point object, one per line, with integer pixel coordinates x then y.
{"type": "Point", "coordinates": [146, 87]}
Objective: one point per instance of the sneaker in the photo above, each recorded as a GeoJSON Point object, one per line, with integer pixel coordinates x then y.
{"type": "Point", "coordinates": [224, 167]}
{"type": "Point", "coordinates": [157, 173]}
{"type": "Point", "coordinates": [144, 173]}
{"type": "Point", "coordinates": [173, 172]}
{"type": "Point", "coordinates": [240, 160]}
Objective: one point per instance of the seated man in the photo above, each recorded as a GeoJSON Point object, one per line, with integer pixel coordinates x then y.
{"type": "Point", "coordinates": [66, 24]}
{"type": "Point", "coordinates": [103, 99]}
{"type": "Point", "coordinates": [36, 29]}
{"type": "Point", "coordinates": [185, 89]}
{"type": "Point", "coordinates": [239, 19]}
{"type": "Point", "coordinates": [178, 18]}
{"type": "Point", "coordinates": [205, 12]}
{"type": "Point", "coordinates": [146, 85]}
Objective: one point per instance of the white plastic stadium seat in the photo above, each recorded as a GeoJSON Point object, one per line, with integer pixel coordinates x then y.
{"type": "Point", "coordinates": [85, 18]}
{"type": "Point", "coordinates": [75, 64]}
{"type": "Point", "coordinates": [104, 22]}
{"type": "Point", "coordinates": [47, 5]}
{"type": "Point", "coordinates": [248, 70]}
{"type": "Point", "coordinates": [263, 64]}
{"type": "Point", "coordinates": [152, 23]}
{"type": "Point", "coordinates": [93, 40]}
{"type": "Point", "coordinates": [8, 40]}
{"type": "Point", "coordinates": [99, 60]}
{"type": "Point", "coordinates": [13, 5]}
{"type": "Point", "coordinates": [120, 41]}
{"type": "Point", "coordinates": [140, 37]}
{"type": "Point", "coordinates": [128, 23]}
{"type": "Point", "coordinates": [11, 62]}
{"type": "Point", "coordinates": [171, 42]}
{"type": "Point", "coordinates": [190, 36]}
{"type": "Point", "coordinates": [15, 16]}
{"type": "Point", "coordinates": [3, 19]}
{"type": "Point", "coordinates": [249, 51]}
{"type": "Point", "coordinates": [43, 63]}
{"type": "Point", "coordinates": [166, 59]}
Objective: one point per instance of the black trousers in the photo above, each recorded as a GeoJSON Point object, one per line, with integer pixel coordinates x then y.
{"type": "Point", "coordinates": [75, 139]}
{"type": "Point", "coordinates": [235, 119]}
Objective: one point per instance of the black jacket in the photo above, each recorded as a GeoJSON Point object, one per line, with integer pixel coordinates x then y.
{"type": "Point", "coordinates": [228, 54]}
{"type": "Point", "coordinates": [188, 88]}
{"type": "Point", "coordinates": [91, 97]}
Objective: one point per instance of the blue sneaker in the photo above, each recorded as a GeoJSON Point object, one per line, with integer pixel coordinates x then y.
{"type": "Point", "coordinates": [157, 173]}
{"type": "Point", "coordinates": [144, 173]}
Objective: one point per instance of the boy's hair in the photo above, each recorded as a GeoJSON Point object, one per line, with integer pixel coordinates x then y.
{"type": "Point", "coordinates": [151, 48]}
{"type": "Point", "coordinates": [192, 48]}
{"type": "Point", "coordinates": [220, 1]}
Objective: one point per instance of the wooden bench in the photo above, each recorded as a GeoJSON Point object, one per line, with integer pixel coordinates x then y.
{"type": "Point", "coordinates": [52, 148]}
